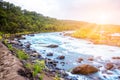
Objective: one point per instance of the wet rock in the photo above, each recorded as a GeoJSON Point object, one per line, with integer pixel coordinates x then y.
{"type": "Point", "coordinates": [61, 57]}
{"type": "Point", "coordinates": [14, 42]}
{"type": "Point", "coordinates": [109, 66]}
{"type": "Point", "coordinates": [27, 45]}
{"type": "Point", "coordinates": [90, 58]}
{"type": "Point", "coordinates": [79, 60]}
{"type": "Point", "coordinates": [84, 69]}
{"type": "Point", "coordinates": [36, 55]}
{"type": "Point", "coordinates": [50, 63]}
{"type": "Point", "coordinates": [115, 57]}
{"type": "Point", "coordinates": [31, 34]}
{"type": "Point", "coordinates": [52, 46]}
{"type": "Point", "coordinates": [62, 63]}
{"type": "Point", "coordinates": [49, 54]}
{"type": "Point", "coordinates": [71, 78]}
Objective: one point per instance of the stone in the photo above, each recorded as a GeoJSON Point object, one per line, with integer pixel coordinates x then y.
{"type": "Point", "coordinates": [109, 66]}
{"type": "Point", "coordinates": [27, 45]}
{"type": "Point", "coordinates": [90, 58]}
{"type": "Point", "coordinates": [14, 42]}
{"type": "Point", "coordinates": [49, 54]}
{"type": "Point", "coordinates": [115, 57]}
{"type": "Point", "coordinates": [31, 34]}
{"type": "Point", "coordinates": [79, 60]}
{"type": "Point", "coordinates": [61, 57]}
{"type": "Point", "coordinates": [36, 55]}
{"type": "Point", "coordinates": [84, 69]}
{"type": "Point", "coordinates": [52, 46]}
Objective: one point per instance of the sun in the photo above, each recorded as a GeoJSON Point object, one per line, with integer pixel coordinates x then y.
{"type": "Point", "coordinates": [102, 18]}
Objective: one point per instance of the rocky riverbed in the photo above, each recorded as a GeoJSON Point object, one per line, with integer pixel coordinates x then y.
{"type": "Point", "coordinates": [66, 54]}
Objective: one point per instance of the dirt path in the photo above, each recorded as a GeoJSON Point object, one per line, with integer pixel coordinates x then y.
{"type": "Point", "coordinates": [10, 67]}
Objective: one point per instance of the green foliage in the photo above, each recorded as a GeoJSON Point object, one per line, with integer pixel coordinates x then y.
{"type": "Point", "coordinates": [56, 77]}
{"type": "Point", "coordinates": [22, 55]}
{"type": "Point", "coordinates": [0, 37]}
{"type": "Point", "coordinates": [10, 47]}
{"type": "Point", "coordinates": [28, 66]}
{"type": "Point", "coordinates": [38, 67]}
{"type": "Point", "coordinates": [41, 77]}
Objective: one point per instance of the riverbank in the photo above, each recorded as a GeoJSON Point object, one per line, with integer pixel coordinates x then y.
{"type": "Point", "coordinates": [10, 66]}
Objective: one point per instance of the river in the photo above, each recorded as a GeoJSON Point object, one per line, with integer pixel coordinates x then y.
{"type": "Point", "coordinates": [73, 49]}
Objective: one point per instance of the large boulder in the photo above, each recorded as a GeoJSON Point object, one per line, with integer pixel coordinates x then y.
{"type": "Point", "coordinates": [84, 69]}
{"type": "Point", "coordinates": [52, 46]}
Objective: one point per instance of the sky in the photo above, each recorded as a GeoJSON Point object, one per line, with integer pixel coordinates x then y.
{"type": "Point", "coordinates": [98, 11]}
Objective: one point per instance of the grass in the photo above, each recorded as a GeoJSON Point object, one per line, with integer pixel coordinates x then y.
{"type": "Point", "coordinates": [36, 68]}
{"type": "Point", "coordinates": [21, 54]}
{"type": "Point", "coordinates": [56, 77]}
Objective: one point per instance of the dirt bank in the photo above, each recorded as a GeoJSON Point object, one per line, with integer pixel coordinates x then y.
{"type": "Point", "coordinates": [10, 67]}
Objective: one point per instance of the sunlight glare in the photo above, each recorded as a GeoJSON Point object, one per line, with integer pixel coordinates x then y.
{"type": "Point", "coordinates": [102, 18]}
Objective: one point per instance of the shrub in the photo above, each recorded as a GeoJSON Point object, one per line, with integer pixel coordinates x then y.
{"type": "Point", "coordinates": [38, 67]}
{"type": "Point", "coordinates": [22, 55]}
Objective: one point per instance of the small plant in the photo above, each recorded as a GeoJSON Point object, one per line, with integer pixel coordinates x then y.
{"type": "Point", "coordinates": [41, 77]}
{"type": "Point", "coordinates": [22, 55]}
{"type": "Point", "coordinates": [10, 47]}
{"type": "Point", "coordinates": [56, 77]}
{"type": "Point", "coordinates": [0, 37]}
{"type": "Point", "coordinates": [38, 67]}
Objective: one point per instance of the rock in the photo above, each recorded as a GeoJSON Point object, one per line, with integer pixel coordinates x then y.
{"type": "Point", "coordinates": [14, 42]}
{"type": "Point", "coordinates": [79, 60]}
{"type": "Point", "coordinates": [115, 57]}
{"type": "Point", "coordinates": [36, 55]}
{"type": "Point", "coordinates": [62, 63]}
{"type": "Point", "coordinates": [27, 45]}
{"type": "Point", "coordinates": [90, 58]}
{"type": "Point", "coordinates": [109, 66]}
{"type": "Point", "coordinates": [49, 54]}
{"type": "Point", "coordinates": [61, 57]}
{"type": "Point", "coordinates": [50, 62]}
{"type": "Point", "coordinates": [31, 34]}
{"type": "Point", "coordinates": [52, 46]}
{"type": "Point", "coordinates": [84, 69]}
{"type": "Point", "coordinates": [22, 37]}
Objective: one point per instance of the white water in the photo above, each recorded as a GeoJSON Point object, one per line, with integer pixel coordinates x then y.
{"type": "Point", "coordinates": [73, 49]}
